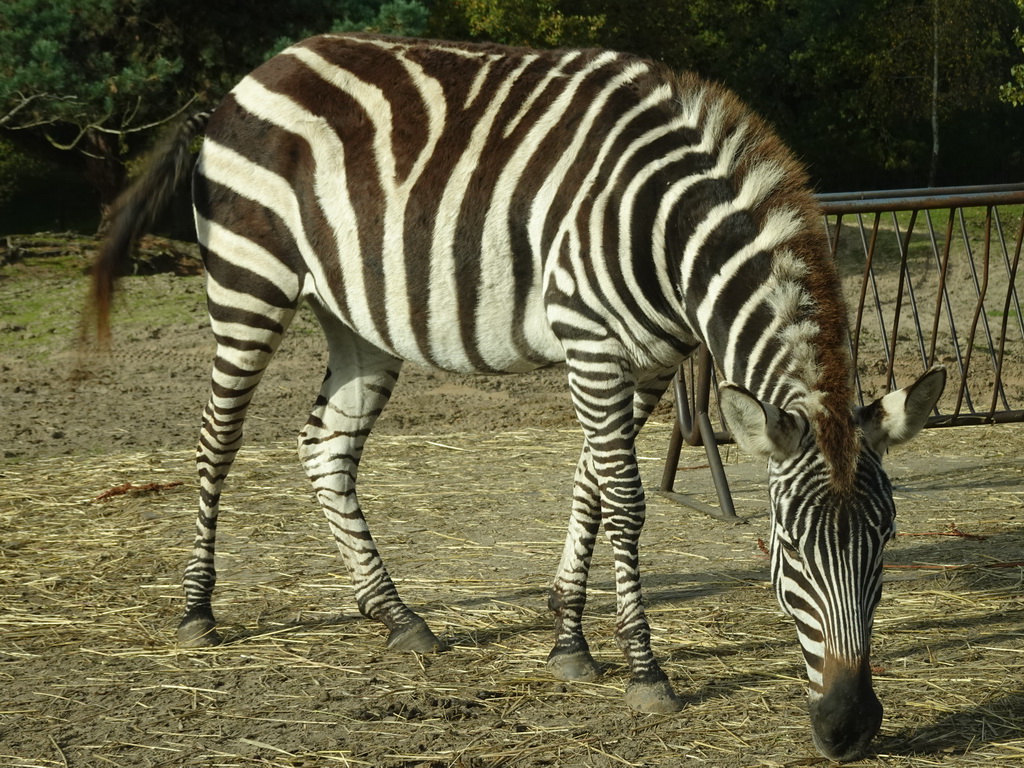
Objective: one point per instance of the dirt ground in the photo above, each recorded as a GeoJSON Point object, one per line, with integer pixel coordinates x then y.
{"type": "Point", "coordinates": [466, 485]}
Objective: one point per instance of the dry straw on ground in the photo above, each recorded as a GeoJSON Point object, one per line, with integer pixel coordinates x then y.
{"type": "Point", "coordinates": [471, 527]}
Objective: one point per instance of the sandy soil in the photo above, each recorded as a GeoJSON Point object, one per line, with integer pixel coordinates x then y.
{"type": "Point", "coordinates": [466, 484]}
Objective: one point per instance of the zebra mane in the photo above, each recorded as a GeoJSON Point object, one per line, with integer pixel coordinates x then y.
{"type": "Point", "coordinates": [803, 289]}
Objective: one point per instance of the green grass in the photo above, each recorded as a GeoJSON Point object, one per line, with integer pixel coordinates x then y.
{"type": "Point", "coordinates": [141, 302]}
{"type": "Point", "coordinates": [43, 298]}
{"type": "Point", "coordinates": [1000, 313]}
{"type": "Point", "coordinates": [41, 301]}
{"type": "Point", "coordinates": [920, 250]}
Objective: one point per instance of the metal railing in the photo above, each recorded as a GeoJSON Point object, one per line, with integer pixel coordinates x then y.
{"type": "Point", "coordinates": [931, 276]}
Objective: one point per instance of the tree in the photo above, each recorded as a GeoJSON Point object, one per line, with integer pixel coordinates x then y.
{"type": "Point", "coordinates": [87, 80]}
{"type": "Point", "coordinates": [65, 81]}
{"type": "Point", "coordinates": [14, 169]}
{"type": "Point", "coordinates": [1013, 91]}
{"type": "Point", "coordinates": [395, 17]}
{"type": "Point", "coordinates": [538, 23]}
{"type": "Point", "coordinates": [933, 61]}
{"type": "Point", "coordinates": [864, 90]}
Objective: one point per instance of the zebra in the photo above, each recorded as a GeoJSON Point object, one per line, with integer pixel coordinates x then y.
{"type": "Point", "coordinates": [478, 208]}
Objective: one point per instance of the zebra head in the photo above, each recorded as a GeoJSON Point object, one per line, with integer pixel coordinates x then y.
{"type": "Point", "coordinates": [826, 544]}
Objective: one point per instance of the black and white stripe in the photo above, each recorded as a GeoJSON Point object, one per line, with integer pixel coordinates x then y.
{"type": "Point", "coordinates": [478, 208]}
{"type": "Point", "coordinates": [827, 556]}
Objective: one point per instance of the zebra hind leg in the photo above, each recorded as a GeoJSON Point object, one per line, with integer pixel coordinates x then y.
{"type": "Point", "coordinates": [358, 384]}
{"type": "Point", "coordinates": [238, 367]}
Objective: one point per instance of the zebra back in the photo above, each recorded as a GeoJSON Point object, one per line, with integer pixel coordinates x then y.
{"type": "Point", "coordinates": [478, 208]}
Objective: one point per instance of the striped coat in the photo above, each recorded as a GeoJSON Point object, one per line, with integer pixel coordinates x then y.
{"type": "Point", "coordinates": [484, 209]}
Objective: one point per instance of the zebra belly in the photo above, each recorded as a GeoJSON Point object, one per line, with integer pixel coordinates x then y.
{"type": "Point", "coordinates": [492, 337]}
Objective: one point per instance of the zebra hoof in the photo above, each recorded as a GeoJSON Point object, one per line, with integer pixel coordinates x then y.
{"type": "Point", "coordinates": [198, 629]}
{"type": "Point", "coordinates": [579, 665]}
{"type": "Point", "coordinates": [653, 697]}
{"type": "Point", "coordinates": [413, 637]}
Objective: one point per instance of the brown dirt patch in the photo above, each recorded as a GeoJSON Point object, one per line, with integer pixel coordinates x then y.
{"type": "Point", "coordinates": [466, 485]}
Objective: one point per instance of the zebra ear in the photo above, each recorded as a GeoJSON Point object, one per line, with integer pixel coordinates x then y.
{"type": "Point", "coordinates": [759, 428]}
{"type": "Point", "coordinates": [898, 416]}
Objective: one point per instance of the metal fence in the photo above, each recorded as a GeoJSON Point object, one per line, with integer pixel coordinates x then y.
{"type": "Point", "coordinates": [931, 277]}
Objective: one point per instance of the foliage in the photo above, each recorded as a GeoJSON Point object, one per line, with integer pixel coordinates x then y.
{"type": "Point", "coordinates": [15, 168]}
{"type": "Point", "coordinates": [396, 17]}
{"type": "Point", "coordinates": [863, 89]}
{"type": "Point", "coordinates": [1013, 91]}
{"type": "Point", "coordinates": [74, 68]}
{"type": "Point", "coordinates": [933, 60]}
{"type": "Point", "coordinates": [541, 23]}
{"type": "Point", "coordinates": [852, 84]}
{"type": "Point", "coordinates": [89, 75]}
{"type": "Point", "coordinates": [113, 64]}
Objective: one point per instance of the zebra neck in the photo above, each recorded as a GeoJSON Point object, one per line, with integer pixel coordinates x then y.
{"type": "Point", "coordinates": [784, 338]}
{"type": "Point", "coordinates": [756, 278]}
{"type": "Point", "coordinates": [765, 329]}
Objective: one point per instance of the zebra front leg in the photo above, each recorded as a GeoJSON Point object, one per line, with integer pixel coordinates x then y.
{"type": "Point", "coordinates": [358, 384]}
{"type": "Point", "coordinates": [604, 401]}
{"type": "Point", "coordinates": [570, 659]}
{"type": "Point", "coordinates": [649, 689]}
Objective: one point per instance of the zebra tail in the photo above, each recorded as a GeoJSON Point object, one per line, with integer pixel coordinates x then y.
{"type": "Point", "coordinates": [136, 209]}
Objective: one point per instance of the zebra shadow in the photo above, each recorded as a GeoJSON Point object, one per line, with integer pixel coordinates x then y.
{"type": "Point", "coordinates": [957, 548]}
{"type": "Point", "coordinates": [935, 474]}
{"type": "Point", "coordinates": [956, 640]}
{"type": "Point", "coordinates": [986, 720]}
{"type": "Point", "coordinates": [660, 589]}
{"type": "Point", "coordinates": [269, 629]}
{"type": "Point", "coordinates": [960, 732]}
{"type": "Point", "coordinates": [365, 632]}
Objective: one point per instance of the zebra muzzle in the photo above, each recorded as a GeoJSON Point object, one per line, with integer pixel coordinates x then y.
{"type": "Point", "coordinates": [846, 717]}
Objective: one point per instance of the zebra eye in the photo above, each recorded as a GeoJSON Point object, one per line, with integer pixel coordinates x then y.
{"type": "Point", "coordinates": [790, 549]}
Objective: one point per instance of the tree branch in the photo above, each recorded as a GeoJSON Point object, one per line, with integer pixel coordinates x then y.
{"type": "Point", "coordinates": [96, 126]}
{"type": "Point", "coordinates": [83, 131]}
{"type": "Point", "coordinates": [148, 126]}
{"type": "Point", "coordinates": [25, 101]}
